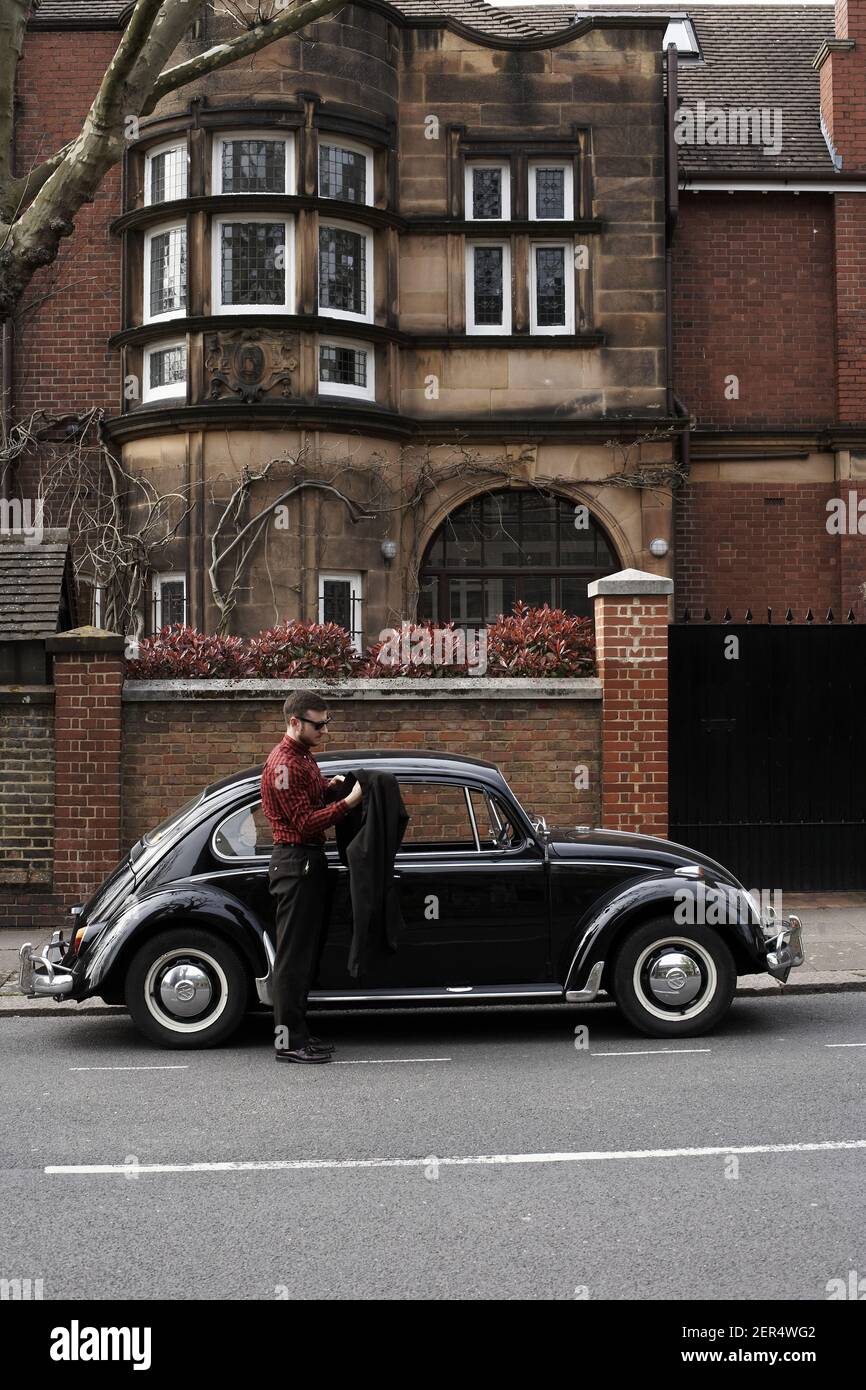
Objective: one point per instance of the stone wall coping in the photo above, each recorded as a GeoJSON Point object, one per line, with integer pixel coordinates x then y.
{"type": "Point", "coordinates": [460, 688]}
{"type": "Point", "coordinates": [629, 582]}
{"type": "Point", "coordinates": [26, 694]}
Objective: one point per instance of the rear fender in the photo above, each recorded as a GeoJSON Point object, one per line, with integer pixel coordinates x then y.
{"type": "Point", "coordinates": [202, 905]}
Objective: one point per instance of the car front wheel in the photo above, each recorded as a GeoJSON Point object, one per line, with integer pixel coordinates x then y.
{"type": "Point", "coordinates": [671, 982]}
{"type": "Point", "coordinates": [186, 988]}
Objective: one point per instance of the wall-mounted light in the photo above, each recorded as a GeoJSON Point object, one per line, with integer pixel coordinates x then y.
{"type": "Point", "coordinates": [389, 550]}
{"type": "Point", "coordinates": [659, 547]}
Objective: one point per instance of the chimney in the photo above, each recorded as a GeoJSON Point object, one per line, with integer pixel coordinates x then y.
{"type": "Point", "coordinates": [841, 64]}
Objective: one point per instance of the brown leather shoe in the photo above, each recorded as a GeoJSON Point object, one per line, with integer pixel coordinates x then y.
{"type": "Point", "coordinates": [301, 1054]}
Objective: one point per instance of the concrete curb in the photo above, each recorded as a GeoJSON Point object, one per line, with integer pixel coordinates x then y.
{"type": "Point", "coordinates": [751, 986]}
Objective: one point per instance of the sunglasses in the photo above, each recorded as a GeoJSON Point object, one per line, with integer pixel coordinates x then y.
{"type": "Point", "coordinates": [316, 723]}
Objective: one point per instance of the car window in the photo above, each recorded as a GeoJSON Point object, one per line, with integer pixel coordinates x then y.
{"type": "Point", "coordinates": [438, 817]}
{"type": "Point", "coordinates": [496, 828]}
{"type": "Point", "coordinates": [245, 833]}
{"type": "Point", "coordinates": [153, 837]}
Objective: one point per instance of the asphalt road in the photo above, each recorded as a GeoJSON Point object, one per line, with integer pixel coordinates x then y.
{"type": "Point", "coordinates": [622, 1211]}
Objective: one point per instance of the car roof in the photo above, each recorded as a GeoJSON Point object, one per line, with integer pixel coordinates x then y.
{"type": "Point", "coordinates": [408, 760]}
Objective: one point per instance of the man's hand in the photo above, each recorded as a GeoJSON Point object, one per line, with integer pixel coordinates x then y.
{"type": "Point", "coordinates": [354, 795]}
{"type": "Point", "coordinates": [334, 780]}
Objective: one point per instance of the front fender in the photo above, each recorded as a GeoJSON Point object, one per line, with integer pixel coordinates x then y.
{"type": "Point", "coordinates": [597, 933]}
{"type": "Point", "coordinates": [104, 965]}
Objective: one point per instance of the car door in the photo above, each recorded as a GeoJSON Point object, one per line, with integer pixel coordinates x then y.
{"type": "Point", "coordinates": [474, 908]}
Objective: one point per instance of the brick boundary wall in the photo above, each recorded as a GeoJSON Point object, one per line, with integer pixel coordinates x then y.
{"type": "Point", "coordinates": [178, 740]}
{"type": "Point", "coordinates": [631, 633]}
{"type": "Point", "coordinates": [123, 757]}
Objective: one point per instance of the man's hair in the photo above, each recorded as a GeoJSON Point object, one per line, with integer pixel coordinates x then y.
{"type": "Point", "coordinates": [301, 701]}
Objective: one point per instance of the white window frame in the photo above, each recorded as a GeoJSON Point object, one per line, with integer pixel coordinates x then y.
{"type": "Point", "coordinates": [340, 225]}
{"type": "Point", "coordinates": [548, 329]}
{"type": "Point", "coordinates": [491, 329]}
{"type": "Point", "coordinates": [147, 316]}
{"type": "Point", "coordinates": [275, 136]}
{"type": "Point", "coordinates": [159, 581]}
{"type": "Point", "coordinates": [149, 157]}
{"type": "Point", "coordinates": [217, 306]}
{"type": "Point", "coordinates": [568, 191]}
{"type": "Point", "coordinates": [338, 143]}
{"type": "Point", "coordinates": [356, 593]}
{"type": "Point", "coordinates": [98, 593]}
{"type": "Point", "coordinates": [333, 388]}
{"type": "Point", "coordinates": [173, 390]}
{"type": "Point", "coordinates": [505, 170]}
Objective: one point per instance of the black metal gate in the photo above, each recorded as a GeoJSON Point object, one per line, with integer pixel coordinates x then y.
{"type": "Point", "coordinates": [768, 751]}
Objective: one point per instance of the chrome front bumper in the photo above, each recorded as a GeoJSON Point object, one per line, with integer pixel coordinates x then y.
{"type": "Point", "coordinates": [786, 950]}
{"type": "Point", "coordinates": [38, 975]}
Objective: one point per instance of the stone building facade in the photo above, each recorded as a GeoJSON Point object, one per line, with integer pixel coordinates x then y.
{"type": "Point", "coordinates": [455, 263]}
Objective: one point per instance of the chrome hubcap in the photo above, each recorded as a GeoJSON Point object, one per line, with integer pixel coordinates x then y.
{"type": "Point", "coordinates": [674, 978]}
{"type": "Point", "coordinates": [185, 990]}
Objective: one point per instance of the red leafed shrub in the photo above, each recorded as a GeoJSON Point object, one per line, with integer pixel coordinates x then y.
{"type": "Point", "coordinates": [304, 649]}
{"type": "Point", "coordinates": [533, 642]}
{"type": "Point", "coordinates": [176, 652]}
{"type": "Point", "coordinates": [540, 642]}
{"type": "Point", "coordinates": [416, 650]}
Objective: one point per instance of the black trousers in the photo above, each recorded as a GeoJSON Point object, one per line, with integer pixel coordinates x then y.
{"type": "Point", "coordinates": [298, 881]}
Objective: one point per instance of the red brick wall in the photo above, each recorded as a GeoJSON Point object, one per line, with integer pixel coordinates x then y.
{"type": "Point", "coordinates": [62, 363]}
{"type": "Point", "coordinates": [173, 748]}
{"type": "Point", "coordinates": [753, 297]}
{"type": "Point", "coordinates": [632, 647]}
{"type": "Point", "coordinates": [851, 299]}
{"type": "Point", "coordinates": [843, 86]}
{"type": "Point", "coordinates": [734, 550]}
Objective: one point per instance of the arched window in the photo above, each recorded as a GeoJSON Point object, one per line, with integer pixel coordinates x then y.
{"type": "Point", "coordinates": [514, 544]}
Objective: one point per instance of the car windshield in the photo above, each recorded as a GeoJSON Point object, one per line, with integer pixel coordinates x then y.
{"type": "Point", "coordinates": [154, 837]}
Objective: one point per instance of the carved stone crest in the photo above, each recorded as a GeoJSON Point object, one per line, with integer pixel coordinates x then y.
{"type": "Point", "coordinates": [250, 363]}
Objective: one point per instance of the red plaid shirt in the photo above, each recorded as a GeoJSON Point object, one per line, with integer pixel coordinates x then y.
{"type": "Point", "coordinates": [293, 789]}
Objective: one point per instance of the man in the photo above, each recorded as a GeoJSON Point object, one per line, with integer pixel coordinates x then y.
{"type": "Point", "coordinates": [293, 799]}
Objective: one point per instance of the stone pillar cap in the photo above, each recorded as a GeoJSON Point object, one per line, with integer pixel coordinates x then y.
{"type": "Point", "coordinates": [85, 639]}
{"type": "Point", "coordinates": [630, 582]}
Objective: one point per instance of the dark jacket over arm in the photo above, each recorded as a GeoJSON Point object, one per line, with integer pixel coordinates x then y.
{"type": "Point", "coordinates": [368, 838]}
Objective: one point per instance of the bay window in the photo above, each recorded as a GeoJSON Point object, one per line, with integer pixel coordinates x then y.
{"type": "Point", "coordinates": [345, 172]}
{"type": "Point", "coordinates": [345, 272]}
{"type": "Point", "coordinates": [253, 264]}
{"type": "Point", "coordinates": [165, 272]}
{"type": "Point", "coordinates": [165, 168]}
{"type": "Point", "coordinates": [164, 371]}
{"type": "Point", "coordinates": [253, 162]}
{"type": "Point", "coordinates": [347, 369]}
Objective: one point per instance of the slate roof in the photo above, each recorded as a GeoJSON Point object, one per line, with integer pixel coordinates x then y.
{"type": "Point", "coordinates": [36, 588]}
{"type": "Point", "coordinates": [752, 56]}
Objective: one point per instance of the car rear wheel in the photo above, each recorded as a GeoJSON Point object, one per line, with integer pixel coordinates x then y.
{"type": "Point", "coordinates": [673, 982]}
{"type": "Point", "coordinates": [187, 988]}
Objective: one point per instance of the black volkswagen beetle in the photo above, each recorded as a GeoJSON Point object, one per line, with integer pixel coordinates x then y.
{"type": "Point", "coordinates": [497, 908]}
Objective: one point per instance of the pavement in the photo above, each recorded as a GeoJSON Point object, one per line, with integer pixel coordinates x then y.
{"type": "Point", "coordinates": [834, 934]}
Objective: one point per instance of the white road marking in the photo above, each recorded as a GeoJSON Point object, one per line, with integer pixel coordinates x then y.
{"type": "Point", "coordinates": [173, 1067]}
{"type": "Point", "coordinates": [383, 1061]}
{"type": "Point", "coordinates": [845, 1044]}
{"type": "Point", "coordinates": [651, 1052]}
{"type": "Point", "coordinates": [459, 1161]}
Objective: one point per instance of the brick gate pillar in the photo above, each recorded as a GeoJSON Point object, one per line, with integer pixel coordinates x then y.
{"type": "Point", "coordinates": [88, 680]}
{"type": "Point", "coordinates": [631, 632]}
